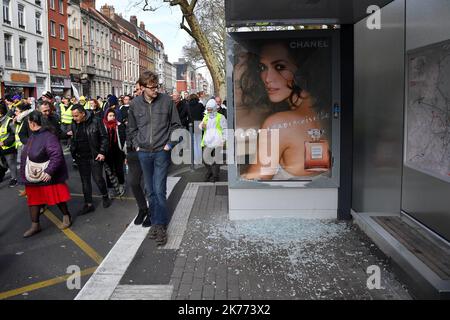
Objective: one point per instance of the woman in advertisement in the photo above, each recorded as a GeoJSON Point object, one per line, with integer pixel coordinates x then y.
{"type": "Point", "coordinates": [294, 83]}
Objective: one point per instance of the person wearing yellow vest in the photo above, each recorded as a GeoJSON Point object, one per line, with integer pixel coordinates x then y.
{"type": "Point", "coordinates": [66, 116]}
{"type": "Point", "coordinates": [85, 105]}
{"type": "Point", "coordinates": [214, 125]}
{"type": "Point", "coordinates": [23, 131]}
{"type": "Point", "coordinates": [8, 143]}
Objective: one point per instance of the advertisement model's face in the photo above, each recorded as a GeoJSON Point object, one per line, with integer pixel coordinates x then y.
{"type": "Point", "coordinates": [277, 72]}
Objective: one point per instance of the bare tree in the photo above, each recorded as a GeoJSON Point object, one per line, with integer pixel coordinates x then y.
{"type": "Point", "coordinates": [204, 21]}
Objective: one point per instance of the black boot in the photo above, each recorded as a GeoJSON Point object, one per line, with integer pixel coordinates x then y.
{"type": "Point", "coordinates": [106, 202]}
{"type": "Point", "coordinates": [141, 216]}
{"type": "Point", "coordinates": [147, 222]}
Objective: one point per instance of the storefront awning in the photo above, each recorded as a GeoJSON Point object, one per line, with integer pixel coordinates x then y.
{"type": "Point", "coordinates": [253, 12]}
{"type": "Point", "coordinates": [19, 84]}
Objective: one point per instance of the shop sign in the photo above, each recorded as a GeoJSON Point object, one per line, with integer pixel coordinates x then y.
{"type": "Point", "coordinates": [20, 77]}
{"type": "Point", "coordinates": [57, 82]}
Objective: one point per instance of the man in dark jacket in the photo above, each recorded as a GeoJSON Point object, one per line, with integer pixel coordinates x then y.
{"type": "Point", "coordinates": [151, 120]}
{"type": "Point", "coordinates": [124, 109]}
{"type": "Point", "coordinates": [182, 106]}
{"type": "Point", "coordinates": [46, 109]}
{"type": "Point", "coordinates": [88, 147]}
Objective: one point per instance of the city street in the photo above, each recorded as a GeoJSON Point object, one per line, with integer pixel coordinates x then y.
{"type": "Point", "coordinates": [36, 268]}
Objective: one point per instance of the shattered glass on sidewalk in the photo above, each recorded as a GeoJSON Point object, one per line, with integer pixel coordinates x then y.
{"type": "Point", "coordinates": [276, 258]}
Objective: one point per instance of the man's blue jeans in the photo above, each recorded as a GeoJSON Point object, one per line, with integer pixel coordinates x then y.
{"type": "Point", "coordinates": [155, 166]}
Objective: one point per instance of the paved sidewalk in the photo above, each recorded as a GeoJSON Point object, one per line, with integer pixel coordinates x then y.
{"type": "Point", "coordinates": [274, 259]}
{"type": "Point", "coordinates": [209, 257]}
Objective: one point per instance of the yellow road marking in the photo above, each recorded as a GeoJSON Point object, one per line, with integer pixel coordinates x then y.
{"type": "Point", "coordinates": [76, 239]}
{"type": "Point", "coordinates": [43, 284]}
{"type": "Point", "coordinates": [94, 196]}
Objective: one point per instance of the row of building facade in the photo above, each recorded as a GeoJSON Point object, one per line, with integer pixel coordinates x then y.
{"type": "Point", "coordinates": [67, 45]}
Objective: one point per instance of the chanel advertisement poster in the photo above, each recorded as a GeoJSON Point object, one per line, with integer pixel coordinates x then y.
{"type": "Point", "coordinates": [282, 96]}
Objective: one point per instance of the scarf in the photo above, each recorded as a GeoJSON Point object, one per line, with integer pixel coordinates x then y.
{"type": "Point", "coordinates": [111, 127]}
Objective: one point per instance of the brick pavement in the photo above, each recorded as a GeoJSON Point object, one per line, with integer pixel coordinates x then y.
{"type": "Point", "coordinates": [274, 259]}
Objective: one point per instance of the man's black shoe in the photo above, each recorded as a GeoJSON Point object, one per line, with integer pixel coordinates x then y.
{"type": "Point", "coordinates": [140, 217]}
{"type": "Point", "coordinates": [12, 183]}
{"type": "Point", "coordinates": [161, 236]}
{"type": "Point", "coordinates": [86, 209]}
{"type": "Point", "coordinates": [147, 222]}
{"type": "Point", "coordinates": [106, 202]}
{"type": "Point", "coordinates": [208, 176]}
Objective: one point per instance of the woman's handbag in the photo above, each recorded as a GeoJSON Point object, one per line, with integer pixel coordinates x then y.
{"type": "Point", "coordinates": [34, 171]}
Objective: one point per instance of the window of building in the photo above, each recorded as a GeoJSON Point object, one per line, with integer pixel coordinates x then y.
{"type": "Point", "coordinates": [52, 4]}
{"type": "Point", "coordinates": [38, 22]}
{"type": "Point", "coordinates": [39, 56]}
{"type": "Point", "coordinates": [74, 28]}
{"type": "Point", "coordinates": [52, 28]}
{"type": "Point", "coordinates": [71, 57]}
{"type": "Point", "coordinates": [22, 53]}
{"type": "Point", "coordinates": [63, 60]}
{"type": "Point", "coordinates": [77, 60]}
{"type": "Point", "coordinates": [6, 18]}
{"type": "Point", "coordinates": [21, 15]}
{"type": "Point", "coordinates": [61, 31]}
{"type": "Point", "coordinates": [37, 2]}
{"type": "Point", "coordinates": [53, 58]}
{"type": "Point", "coordinates": [61, 6]}
{"type": "Point", "coordinates": [8, 52]}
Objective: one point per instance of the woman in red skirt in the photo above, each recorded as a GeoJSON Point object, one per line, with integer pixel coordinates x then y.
{"type": "Point", "coordinates": [48, 188]}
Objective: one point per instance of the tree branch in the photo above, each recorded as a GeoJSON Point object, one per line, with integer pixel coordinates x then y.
{"type": "Point", "coordinates": [192, 6]}
{"type": "Point", "coordinates": [175, 2]}
{"type": "Point", "coordinates": [183, 26]}
{"type": "Point", "coordinates": [148, 7]}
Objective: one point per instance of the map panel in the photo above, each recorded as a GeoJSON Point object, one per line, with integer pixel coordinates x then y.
{"type": "Point", "coordinates": [428, 111]}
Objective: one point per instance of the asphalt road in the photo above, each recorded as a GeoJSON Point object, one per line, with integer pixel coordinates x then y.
{"type": "Point", "coordinates": [35, 268]}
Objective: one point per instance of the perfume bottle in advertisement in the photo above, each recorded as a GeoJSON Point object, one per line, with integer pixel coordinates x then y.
{"type": "Point", "coordinates": [317, 152]}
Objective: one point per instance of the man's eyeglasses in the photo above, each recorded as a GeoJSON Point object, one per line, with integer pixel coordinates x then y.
{"type": "Point", "coordinates": [152, 87]}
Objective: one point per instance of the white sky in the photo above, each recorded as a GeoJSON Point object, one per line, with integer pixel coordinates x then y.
{"type": "Point", "coordinates": [163, 23]}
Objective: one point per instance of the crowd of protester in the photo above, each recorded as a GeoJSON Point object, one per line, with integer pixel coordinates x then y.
{"type": "Point", "coordinates": [38, 135]}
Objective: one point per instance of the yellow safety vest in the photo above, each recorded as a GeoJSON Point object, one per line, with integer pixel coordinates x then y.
{"type": "Point", "coordinates": [66, 114]}
{"type": "Point", "coordinates": [4, 134]}
{"type": "Point", "coordinates": [218, 127]}
{"type": "Point", "coordinates": [18, 142]}
{"type": "Point", "coordinates": [86, 105]}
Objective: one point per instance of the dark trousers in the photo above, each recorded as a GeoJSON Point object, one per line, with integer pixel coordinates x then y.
{"type": "Point", "coordinates": [66, 128]}
{"type": "Point", "coordinates": [155, 167]}
{"type": "Point", "coordinates": [115, 161]}
{"type": "Point", "coordinates": [212, 169]}
{"type": "Point", "coordinates": [135, 178]}
{"type": "Point", "coordinates": [90, 168]}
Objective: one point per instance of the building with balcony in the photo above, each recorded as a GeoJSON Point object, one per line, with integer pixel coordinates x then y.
{"type": "Point", "coordinates": [96, 43]}
{"type": "Point", "coordinates": [58, 47]}
{"type": "Point", "coordinates": [147, 51]}
{"type": "Point", "coordinates": [24, 55]}
{"type": "Point", "coordinates": [170, 76]}
{"type": "Point", "coordinates": [129, 49]}
{"type": "Point", "coordinates": [75, 48]}
{"type": "Point", "coordinates": [116, 51]}
{"type": "Point", "coordinates": [159, 59]}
